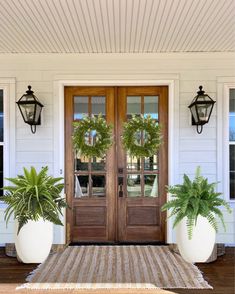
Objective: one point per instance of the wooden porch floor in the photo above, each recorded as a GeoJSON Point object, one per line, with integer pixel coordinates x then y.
{"type": "Point", "coordinates": [220, 274]}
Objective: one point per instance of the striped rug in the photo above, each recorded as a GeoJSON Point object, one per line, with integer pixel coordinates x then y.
{"type": "Point", "coordinates": [97, 267]}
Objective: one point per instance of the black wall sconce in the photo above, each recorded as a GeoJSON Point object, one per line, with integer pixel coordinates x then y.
{"type": "Point", "coordinates": [201, 109]}
{"type": "Point", "coordinates": [30, 109]}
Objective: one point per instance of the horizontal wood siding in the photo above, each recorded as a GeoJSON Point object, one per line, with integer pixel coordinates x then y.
{"type": "Point", "coordinates": [41, 70]}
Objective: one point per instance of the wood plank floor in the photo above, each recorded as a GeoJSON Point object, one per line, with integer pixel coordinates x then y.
{"type": "Point", "coordinates": [220, 274]}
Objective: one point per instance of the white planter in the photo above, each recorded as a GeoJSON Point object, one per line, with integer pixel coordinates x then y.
{"type": "Point", "coordinates": [33, 243]}
{"type": "Point", "coordinates": [200, 247]}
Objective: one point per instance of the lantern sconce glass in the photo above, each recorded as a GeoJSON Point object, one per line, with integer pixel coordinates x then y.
{"type": "Point", "coordinates": [201, 108]}
{"type": "Point", "coordinates": [30, 109]}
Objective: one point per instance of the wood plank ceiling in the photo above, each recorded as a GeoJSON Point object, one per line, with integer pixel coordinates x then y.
{"type": "Point", "coordinates": [114, 26]}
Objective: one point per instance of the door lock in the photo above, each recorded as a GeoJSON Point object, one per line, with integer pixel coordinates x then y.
{"type": "Point", "coordinates": [120, 170]}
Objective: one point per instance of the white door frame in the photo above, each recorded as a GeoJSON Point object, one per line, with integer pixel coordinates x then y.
{"type": "Point", "coordinates": [8, 85]}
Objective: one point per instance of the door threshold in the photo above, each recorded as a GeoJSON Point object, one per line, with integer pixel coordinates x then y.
{"type": "Point", "coordinates": [117, 243]}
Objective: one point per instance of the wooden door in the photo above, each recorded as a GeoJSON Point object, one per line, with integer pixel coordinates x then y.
{"type": "Point", "coordinates": [99, 212]}
{"type": "Point", "coordinates": [144, 180]}
{"type": "Point", "coordinates": [90, 182]}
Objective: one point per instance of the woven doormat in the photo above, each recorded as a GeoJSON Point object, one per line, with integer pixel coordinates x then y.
{"type": "Point", "coordinates": [107, 267]}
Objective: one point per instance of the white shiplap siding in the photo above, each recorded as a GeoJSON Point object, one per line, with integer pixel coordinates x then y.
{"type": "Point", "coordinates": [193, 69]}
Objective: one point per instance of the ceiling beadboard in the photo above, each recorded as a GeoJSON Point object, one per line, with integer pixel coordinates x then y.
{"type": "Point", "coordinates": [116, 26]}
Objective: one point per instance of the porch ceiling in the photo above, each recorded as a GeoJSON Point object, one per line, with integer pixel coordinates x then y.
{"type": "Point", "coordinates": [113, 26]}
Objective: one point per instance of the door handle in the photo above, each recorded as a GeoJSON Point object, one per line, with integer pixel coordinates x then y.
{"type": "Point", "coordinates": [120, 190]}
{"type": "Point", "coordinates": [120, 187]}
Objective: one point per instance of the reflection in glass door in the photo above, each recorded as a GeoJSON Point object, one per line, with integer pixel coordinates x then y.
{"type": "Point", "coordinates": [89, 173]}
{"type": "Point", "coordinates": [142, 173]}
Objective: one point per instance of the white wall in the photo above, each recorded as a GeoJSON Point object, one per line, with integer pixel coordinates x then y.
{"type": "Point", "coordinates": [193, 69]}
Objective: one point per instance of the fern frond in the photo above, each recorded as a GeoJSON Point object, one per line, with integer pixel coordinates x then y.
{"type": "Point", "coordinates": [190, 223]}
{"type": "Point", "coordinates": [212, 221]}
{"type": "Point", "coordinates": [178, 218]}
{"type": "Point", "coordinates": [217, 212]}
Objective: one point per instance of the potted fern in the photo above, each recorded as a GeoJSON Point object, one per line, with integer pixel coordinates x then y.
{"type": "Point", "coordinates": [196, 207]}
{"type": "Point", "coordinates": [35, 203]}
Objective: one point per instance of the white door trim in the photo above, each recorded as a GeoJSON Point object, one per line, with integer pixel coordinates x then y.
{"type": "Point", "coordinates": [8, 85]}
{"type": "Point", "coordinates": [170, 80]}
{"type": "Point", "coordinates": [224, 84]}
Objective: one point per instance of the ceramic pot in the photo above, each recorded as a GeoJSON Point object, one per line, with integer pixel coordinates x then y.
{"type": "Point", "coordinates": [33, 243]}
{"type": "Point", "coordinates": [200, 247]}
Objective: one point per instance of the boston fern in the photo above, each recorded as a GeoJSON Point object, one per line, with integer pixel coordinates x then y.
{"type": "Point", "coordinates": [194, 198]}
{"type": "Point", "coordinates": [34, 195]}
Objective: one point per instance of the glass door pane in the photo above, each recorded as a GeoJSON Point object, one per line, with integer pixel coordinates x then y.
{"type": "Point", "coordinates": [232, 171]}
{"type": "Point", "coordinates": [134, 185]}
{"type": "Point", "coordinates": [151, 106]}
{"type": "Point", "coordinates": [151, 185]}
{"type": "Point", "coordinates": [142, 184]}
{"type": "Point", "coordinates": [232, 115]}
{"type": "Point", "coordinates": [87, 182]}
{"type": "Point", "coordinates": [80, 107]}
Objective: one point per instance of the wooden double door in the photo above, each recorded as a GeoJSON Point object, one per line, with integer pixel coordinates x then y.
{"type": "Point", "coordinates": [116, 198]}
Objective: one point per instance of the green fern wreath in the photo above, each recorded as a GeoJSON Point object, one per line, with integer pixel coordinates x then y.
{"type": "Point", "coordinates": [103, 136]}
{"type": "Point", "coordinates": [153, 137]}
